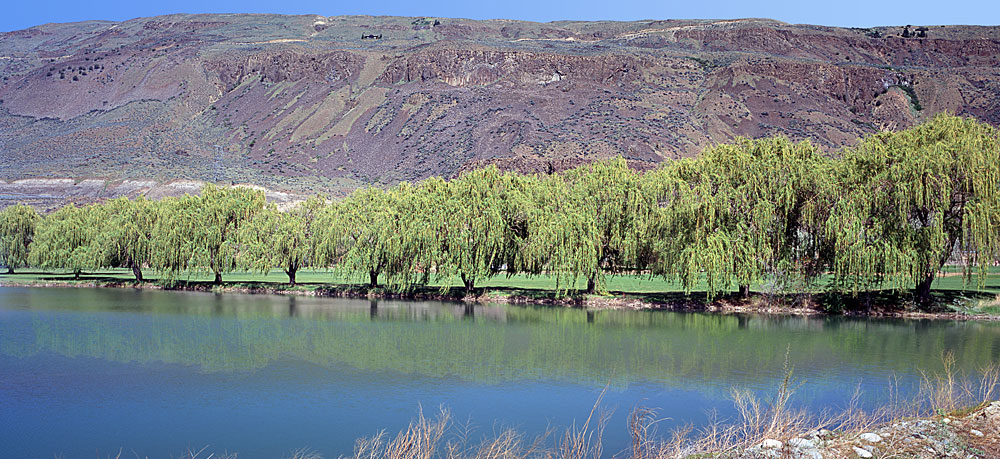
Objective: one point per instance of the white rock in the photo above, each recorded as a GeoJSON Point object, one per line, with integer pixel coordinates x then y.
{"type": "Point", "coordinates": [976, 433]}
{"type": "Point", "coordinates": [870, 437]}
{"type": "Point", "coordinates": [771, 444]}
{"type": "Point", "coordinates": [946, 421]}
{"type": "Point", "coordinates": [992, 411]}
{"type": "Point", "coordinates": [802, 443]}
{"type": "Point", "coordinates": [862, 453]}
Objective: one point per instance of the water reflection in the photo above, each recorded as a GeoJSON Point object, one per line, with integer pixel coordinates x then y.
{"type": "Point", "coordinates": [83, 369]}
{"type": "Point", "coordinates": [486, 343]}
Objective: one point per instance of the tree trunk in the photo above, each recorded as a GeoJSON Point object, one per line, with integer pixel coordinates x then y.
{"type": "Point", "coordinates": [10, 270]}
{"type": "Point", "coordinates": [923, 291]}
{"type": "Point", "coordinates": [591, 285]}
{"type": "Point", "coordinates": [744, 291]}
{"type": "Point", "coordinates": [76, 275]}
{"type": "Point", "coordinates": [372, 279]}
{"type": "Point", "coordinates": [866, 300]}
{"type": "Point", "coordinates": [137, 272]}
{"type": "Point", "coordinates": [218, 278]}
{"type": "Point", "coordinates": [291, 275]}
{"type": "Point", "coordinates": [470, 284]}
{"type": "Point", "coordinates": [923, 288]}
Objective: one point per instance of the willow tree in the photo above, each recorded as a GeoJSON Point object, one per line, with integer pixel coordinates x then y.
{"type": "Point", "coordinates": [286, 239]}
{"type": "Point", "coordinates": [560, 240]}
{"type": "Point", "coordinates": [173, 235]}
{"type": "Point", "coordinates": [363, 236]}
{"type": "Point", "coordinates": [738, 214]}
{"type": "Point", "coordinates": [17, 229]}
{"type": "Point", "coordinates": [909, 200]}
{"type": "Point", "coordinates": [590, 222]}
{"type": "Point", "coordinates": [126, 234]}
{"type": "Point", "coordinates": [200, 232]}
{"type": "Point", "coordinates": [423, 243]}
{"type": "Point", "coordinates": [543, 199]}
{"type": "Point", "coordinates": [68, 239]}
{"type": "Point", "coordinates": [480, 225]}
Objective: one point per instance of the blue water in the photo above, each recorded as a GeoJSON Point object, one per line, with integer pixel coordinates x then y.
{"type": "Point", "coordinates": [89, 372]}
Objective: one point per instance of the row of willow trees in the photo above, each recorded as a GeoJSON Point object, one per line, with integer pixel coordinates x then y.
{"type": "Point", "coordinates": [888, 212]}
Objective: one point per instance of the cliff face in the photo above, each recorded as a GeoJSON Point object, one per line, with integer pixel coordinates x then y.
{"type": "Point", "coordinates": [312, 102]}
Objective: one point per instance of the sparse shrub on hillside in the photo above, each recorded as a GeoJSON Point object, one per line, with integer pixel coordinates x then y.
{"type": "Point", "coordinates": [911, 95]}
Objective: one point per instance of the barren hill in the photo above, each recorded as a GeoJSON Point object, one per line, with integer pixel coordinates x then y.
{"type": "Point", "coordinates": [310, 102]}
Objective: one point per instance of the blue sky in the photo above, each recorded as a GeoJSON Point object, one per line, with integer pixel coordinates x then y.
{"type": "Point", "coordinates": [19, 14]}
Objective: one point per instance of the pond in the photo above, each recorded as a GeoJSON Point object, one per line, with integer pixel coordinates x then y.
{"type": "Point", "coordinates": [86, 371]}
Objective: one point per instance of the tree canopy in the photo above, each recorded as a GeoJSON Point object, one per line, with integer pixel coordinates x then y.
{"type": "Point", "coordinates": [288, 240]}
{"type": "Point", "coordinates": [738, 214]}
{"type": "Point", "coordinates": [481, 225]}
{"type": "Point", "coordinates": [17, 230]}
{"type": "Point", "coordinates": [363, 236]}
{"type": "Point", "coordinates": [68, 239]}
{"type": "Point", "coordinates": [126, 235]}
{"type": "Point", "coordinates": [202, 232]}
{"type": "Point", "coordinates": [908, 200]}
{"type": "Point", "coordinates": [887, 212]}
{"type": "Point", "coordinates": [590, 222]}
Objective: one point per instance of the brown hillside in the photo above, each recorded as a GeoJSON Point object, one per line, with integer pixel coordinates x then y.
{"type": "Point", "coordinates": [306, 103]}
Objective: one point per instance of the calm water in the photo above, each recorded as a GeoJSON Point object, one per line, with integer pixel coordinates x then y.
{"type": "Point", "coordinates": [86, 372]}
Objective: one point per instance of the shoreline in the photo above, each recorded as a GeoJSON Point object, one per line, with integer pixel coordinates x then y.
{"type": "Point", "coordinates": [756, 304]}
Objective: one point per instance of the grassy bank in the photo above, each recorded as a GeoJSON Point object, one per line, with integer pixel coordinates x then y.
{"type": "Point", "coordinates": [954, 297]}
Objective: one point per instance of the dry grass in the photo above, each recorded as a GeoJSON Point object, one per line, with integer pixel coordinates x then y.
{"type": "Point", "coordinates": [584, 442]}
{"type": "Point", "coordinates": [304, 453]}
{"type": "Point", "coordinates": [507, 444]}
{"type": "Point", "coordinates": [943, 393]}
{"type": "Point", "coordinates": [419, 441]}
{"type": "Point", "coordinates": [940, 394]}
{"type": "Point", "coordinates": [202, 453]}
{"type": "Point", "coordinates": [424, 439]}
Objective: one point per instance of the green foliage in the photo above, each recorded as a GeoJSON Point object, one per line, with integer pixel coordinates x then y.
{"type": "Point", "coordinates": [738, 214]}
{"type": "Point", "coordinates": [126, 234]}
{"type": "Point", "coordinates": [908, 200]}
{"type": "Point", "coordinates": [365, 235]}
{"type": "Point", "coordinates": [176, 221]}
{"type": "Point", "coordinates": [767, 212]}
{"type": "Point", "coordinates": [588, 222]}
{"type": "Point", "coordinates": [17, 229]}
{"type": "Point", "coordinates": [289, 239]}
{"type": "Point", "coordinates": [202, 231]}
{"type": "Point", "coordinates": [480, 224]}
{"type": "Point", "coordinates": [911, 95]}
{"type": "Point", "coordinates": [68, 239]}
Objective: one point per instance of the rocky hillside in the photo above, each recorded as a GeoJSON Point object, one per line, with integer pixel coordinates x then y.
{"type": "Point", "coordinates": [311, 103]}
